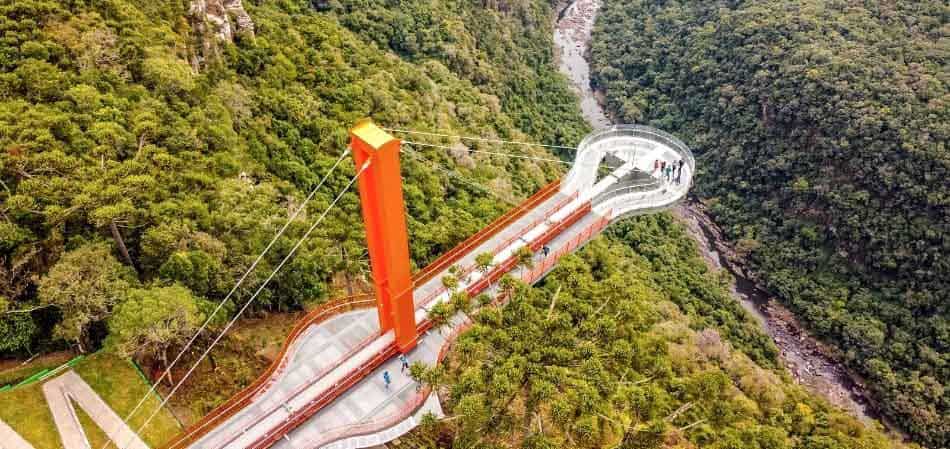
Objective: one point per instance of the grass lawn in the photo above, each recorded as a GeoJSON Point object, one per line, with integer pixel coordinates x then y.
{"type": "Point", "coordinates": [240, 358]}
{"type": "Point", "coordinates": [11, 372]}
{"type": "Point", "coordinates": [116, 381]}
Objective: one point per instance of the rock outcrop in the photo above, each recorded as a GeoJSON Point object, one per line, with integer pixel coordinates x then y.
{"type": "Point", "coordinates": [216, 21]}
{"type": "Point", "coordinates": [222, 18]}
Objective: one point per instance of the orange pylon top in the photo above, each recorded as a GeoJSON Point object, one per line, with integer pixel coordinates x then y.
{"type": "Point", "coordinates": [372, 134]}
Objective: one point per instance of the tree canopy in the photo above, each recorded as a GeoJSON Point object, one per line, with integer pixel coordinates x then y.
{"type": "Point", "coordinates": [152, 320]}
{"type": "Point", "coordinates": [615, 362]}
{"type": "Point", "coordinates": [177, 155]}
{"type": "Point", "coordinates": [821, 129]}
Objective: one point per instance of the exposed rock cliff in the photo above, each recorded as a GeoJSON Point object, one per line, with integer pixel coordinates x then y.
{"type": "Point", "coordinates": [217, 20]}
{"type": "Point", "coordinates": [223, 18]}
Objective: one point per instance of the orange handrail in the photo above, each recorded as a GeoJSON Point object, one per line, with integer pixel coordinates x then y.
{"type": "Point", "coordinates": [243, 397]}
{"type": "Point", "coordinates": [447, 259]}
{"type": "Point", "coordinates": [322, 313]}
{"type": "Point", "coordinates": [465, 272]}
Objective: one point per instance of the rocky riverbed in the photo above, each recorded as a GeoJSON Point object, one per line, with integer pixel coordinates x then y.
{"type": "Point", "coordinates": [810, 363]}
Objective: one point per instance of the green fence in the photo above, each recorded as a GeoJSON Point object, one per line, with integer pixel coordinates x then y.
{"type": "Point", "coordinates": [42, 374]}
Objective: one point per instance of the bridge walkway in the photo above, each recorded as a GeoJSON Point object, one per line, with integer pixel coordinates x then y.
{"type": "Point", "coordinates": [324, 355]}
{"type": "Point", "coordinates": [426, 292]}
{"type": "Point", "coordinates": [332, 394]}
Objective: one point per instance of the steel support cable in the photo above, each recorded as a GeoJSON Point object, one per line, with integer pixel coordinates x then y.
{"type": "Point", "coordinates": [453, 173]}
{"type": "Point", "coordinates": [495, 153]}
{"type": "Point", "coordinates": [202, 425]}
{"type": "Point", "coordinates": [237, 285]}
{"type": "Point", "coordinates": [250, 301]}
{"type": "Point", "coordinates": [516, 156]}
{"type": "Point", "coordinates": [479, 139]}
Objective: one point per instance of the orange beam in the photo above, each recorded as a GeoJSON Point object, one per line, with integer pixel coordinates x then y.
{"type": "Point", "coordinates": [384, 215]}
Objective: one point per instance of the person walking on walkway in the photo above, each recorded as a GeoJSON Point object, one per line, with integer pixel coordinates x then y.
{"type": "Point", "coordinates": [387, 379]}
{"type": "Point", "coordinates": [679, 173]}
{"type": "Point", "coordinates": [545, 250]}
{"type": "Point", "coordinates": [669, 171]}
{"type": "Point", "coordinates": [404, 361]}
{"type": "Point", "coordinates": [656, 165]}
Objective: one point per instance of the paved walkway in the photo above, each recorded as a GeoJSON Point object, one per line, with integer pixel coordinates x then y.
{"type": "Point", "coordinates": [368, 405]}
{"type": "Point", "coordinates": [9, 439]}
{"type": "Point", "coordinates": [517, 228]}
{"type": "Point", "coordinates": [318, 350]}
{"type": "Point", "coordinates": [69, 387]}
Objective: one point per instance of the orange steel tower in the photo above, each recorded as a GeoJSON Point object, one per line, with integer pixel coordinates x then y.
{"type": "Point", "coordinates": [384, 214]}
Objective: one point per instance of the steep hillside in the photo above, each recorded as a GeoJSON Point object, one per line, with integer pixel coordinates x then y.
{"type": "Point", "coordinates": [143, 148]}
{"type": "Point", "coordinates": [502, 47]}
{"type": "Point", "coordinates": [822, 131]}
{"type": "Point", "coordinates": [151, 149]}
{"type": "Point", "coordinates": [601, 356]}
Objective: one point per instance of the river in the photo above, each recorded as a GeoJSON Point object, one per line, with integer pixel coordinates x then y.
{"type": "Point", "coordinates": [810, 363]}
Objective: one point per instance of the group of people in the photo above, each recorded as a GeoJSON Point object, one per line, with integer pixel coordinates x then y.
{"type": "Point", "coordinates": [669, 171]}
{"type": "Point", "coordinates": [404, 361]}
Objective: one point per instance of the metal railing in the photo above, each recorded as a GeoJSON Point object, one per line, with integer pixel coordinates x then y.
{"type": "Point", "coordinates": [403, 413]}
{"type": "Point", "coordinates": [501, 246]}
{"type": "Point", "coordinates": [548, 263]}
{"type": "Point", "coordinates": [450, 257]}
{"type": "Point", "coordinates": [246, 395]}
{"type": "Point", "coordinates": [605, 140]}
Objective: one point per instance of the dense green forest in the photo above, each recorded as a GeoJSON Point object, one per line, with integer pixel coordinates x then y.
{"type": "Point", "coordinates": [821, 129]}
{"type": "Point", "coordinates": [146, 160]}
{"type": "Point", "coordinates": [602, 355]}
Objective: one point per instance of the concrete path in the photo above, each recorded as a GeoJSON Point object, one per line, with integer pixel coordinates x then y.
{"type": "Point", "coordinates": [60, 394]}
{"type": "Point", "coordinates": [369, 404]}
{"type": "Point", "coordinates": [9, 439]}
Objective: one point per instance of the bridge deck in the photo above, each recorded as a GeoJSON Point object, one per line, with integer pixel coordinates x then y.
{"type": "Point", "coordinates": [504, 238]}
{"type": "Point", "coordinates": [336, 356]}
{"type": "Point", "coordinates": [315, 360]}
{"type": "Point", "coordinates": [368, 402]}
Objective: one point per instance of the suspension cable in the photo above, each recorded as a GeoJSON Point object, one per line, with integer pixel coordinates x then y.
{"type": "Point", "coordinates": [202, 424]}
{"type": "Point", "coordinates": [479, 139]}
{"type": "Point", "coordinates": [495, 153]}
{"type": "Point", "coordinates": [251, 300]}
{"type": "Point", "coordinates": [453, 173]}
{"type": "Point", "coordinates": [240, 281]}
